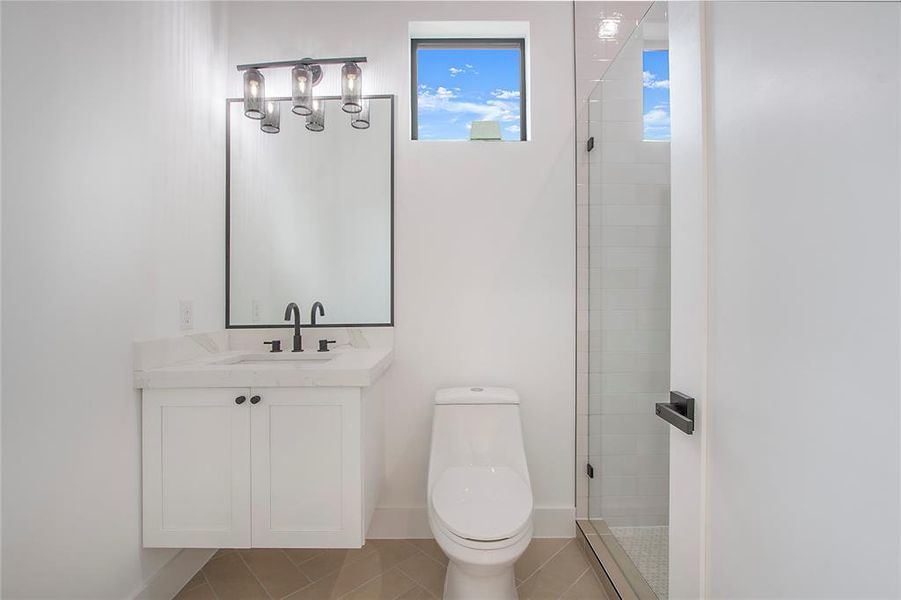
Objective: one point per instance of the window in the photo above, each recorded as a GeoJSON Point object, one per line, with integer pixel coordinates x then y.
{"type": "Point", "coordinates": [456, 82]}
{"type": "Point", "coordinates": [655, 77]}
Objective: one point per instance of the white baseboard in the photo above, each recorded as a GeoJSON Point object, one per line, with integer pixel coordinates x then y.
{"type": "Point", "coordinates": [399, 523]}
{"type": "Point", "coordinates": [166, 583]}
{"type": "Point", "coordinates": [413, 522]}
{"type": "Point", "coordinates": [555, 522]}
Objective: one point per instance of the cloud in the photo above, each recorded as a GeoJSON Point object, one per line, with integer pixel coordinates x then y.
{"type": "Point", "coordinates": [513, 128]}
{"type": "Point", "coordinates": [657, 116]}
{"type": "Point", "coordinates": [657, 122]}
{"type": "Point", "coordinates": [649, 80]}
{"type": "Point", "coordinates": [505, 94]}
{"type": "Point", "coordinates": [454, 71]}
{"type": "Point", "coordinates": [445, 100]}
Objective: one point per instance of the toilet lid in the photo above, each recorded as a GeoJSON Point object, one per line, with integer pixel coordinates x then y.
{"type": "Point", "coordinates": [482, 503]}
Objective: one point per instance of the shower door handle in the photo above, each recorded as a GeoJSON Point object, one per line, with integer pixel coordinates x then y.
{"type": "Point", "coordinates": [678, 412]}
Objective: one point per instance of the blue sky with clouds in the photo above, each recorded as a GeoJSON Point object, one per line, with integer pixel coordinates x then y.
{"type": "Point", "coordinates": [656, 95]}
{"type": "Point", "coordinates": [461, 85]}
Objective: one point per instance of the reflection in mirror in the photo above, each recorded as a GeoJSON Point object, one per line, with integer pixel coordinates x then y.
{"type": "Point", "coordinates": [310, 217]}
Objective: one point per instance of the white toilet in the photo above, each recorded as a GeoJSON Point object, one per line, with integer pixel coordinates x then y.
{"type": "Point", "coordinates": [479, 495]}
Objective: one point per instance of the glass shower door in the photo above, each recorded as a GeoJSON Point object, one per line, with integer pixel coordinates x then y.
{"type": "Point", "coordinates": [629, 297]}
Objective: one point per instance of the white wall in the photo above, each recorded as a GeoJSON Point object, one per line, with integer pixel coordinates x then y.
{"type": "Point", "coordinates": [113, 210]}
{"type": "Point", "coordinates": [803, 403]}
{"type": "Point", "coordinates": [112, 180]}
{"type": "Point", "coordinates": [485, 255]}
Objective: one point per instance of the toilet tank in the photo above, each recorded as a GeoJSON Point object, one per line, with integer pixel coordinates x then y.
{"type": "Point", "coordinates": [477, 426]}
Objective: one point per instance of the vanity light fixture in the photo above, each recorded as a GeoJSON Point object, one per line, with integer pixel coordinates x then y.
{"type": "Point", "coordinates": [270, 123]}
{"type": "Point", "coordinates": [306, 73]}
{"type": "Point", "coordinates": [351, 88]}
{"type": "Point", "coordinates": [360, 120]}
{"type": "Point", "coordinates": [302, 89]}
{"type": "Point", "coordinates": [316, 119]}
{"type": "Point", "coordinates": [254, 92]}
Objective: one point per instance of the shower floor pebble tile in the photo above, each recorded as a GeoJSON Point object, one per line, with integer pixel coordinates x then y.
{"type": "Point", "coordinates": [648, 547]}
{"type": "Point", "coordinates": [550, 569]}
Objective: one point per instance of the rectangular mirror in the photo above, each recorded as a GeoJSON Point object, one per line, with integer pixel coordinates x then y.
{"type": "Point", "coordinates": [309, 216]}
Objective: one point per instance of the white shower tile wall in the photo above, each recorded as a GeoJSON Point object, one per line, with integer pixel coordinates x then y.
{"type": "Point", "coordinates": [623, 282]}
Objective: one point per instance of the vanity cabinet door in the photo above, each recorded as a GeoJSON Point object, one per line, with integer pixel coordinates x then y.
{"type": "Point", "coordinates": [306, 468]}
{"type": "Point", "coordinates": [196, 454]}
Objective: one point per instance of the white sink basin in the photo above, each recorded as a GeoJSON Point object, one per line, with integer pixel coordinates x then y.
{"type": "Point", "coordinates": [298, 359]}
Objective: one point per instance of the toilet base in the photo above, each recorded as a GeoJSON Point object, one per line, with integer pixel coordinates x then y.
{"type": "Point", "coordinates": [471, 582]}
{"type": "Point", "coordinates": [480, 571]}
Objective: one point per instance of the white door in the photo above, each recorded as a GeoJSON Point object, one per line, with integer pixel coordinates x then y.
{"type": "Point", "coordinates": [196, 455]}
{"type": "Point", "coordinates": [688, 341]}
{"type": "Point", "coordinates": [306, 468]}
{"type": "Point", "coordinates": [785, 212]}
{"type": "Point", "coordinates": [804, 300]}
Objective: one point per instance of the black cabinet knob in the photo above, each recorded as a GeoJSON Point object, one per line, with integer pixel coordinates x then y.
{"type": "Point", "coordinates": [255, 399]}
{"type": "Point", "coordinates": [240, 399]}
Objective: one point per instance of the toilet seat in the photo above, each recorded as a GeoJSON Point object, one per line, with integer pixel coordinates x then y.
{"type": "Point", "coordinates": [482, 504]}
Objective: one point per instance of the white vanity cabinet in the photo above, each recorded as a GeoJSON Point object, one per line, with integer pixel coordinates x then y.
{"type": "Point", "coordinates": [305, 468]}
{"type": "Point", "coordinates": [288, 467]}
{"type": "Point", "coordinates": [196, 453]}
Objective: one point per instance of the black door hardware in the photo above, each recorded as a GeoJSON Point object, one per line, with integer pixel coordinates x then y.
{"type": "Point", "coordinates": [678, 412]}
{"type": "Point", "coordinates": [323, 345]}
{"type": "Point", "coordinates": [589, 470]}
{"type": "Point", "coordinates": [276, 345]}
{"type": "Point", "coordinates": [255, 399]}
{"type": "Point", "coordinates": [240, 399]}
{"type": "Point", "coordinates": [589, 145]}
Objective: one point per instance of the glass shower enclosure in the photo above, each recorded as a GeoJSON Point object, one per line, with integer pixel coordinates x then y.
{"type": "Point", "coordinates": [629, 297]}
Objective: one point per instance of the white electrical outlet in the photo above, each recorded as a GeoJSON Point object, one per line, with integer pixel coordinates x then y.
{"type": "Point", "coordinates": [186, 315]}
{"type": "Point", "coordinates": [255, 311]}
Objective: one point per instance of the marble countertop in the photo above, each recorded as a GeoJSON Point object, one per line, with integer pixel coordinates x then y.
{"type": "Point", "coordinates": [345, 366]}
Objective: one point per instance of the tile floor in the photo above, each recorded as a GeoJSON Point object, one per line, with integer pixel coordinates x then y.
{"type": "Point", "coordinates": [550, 569]}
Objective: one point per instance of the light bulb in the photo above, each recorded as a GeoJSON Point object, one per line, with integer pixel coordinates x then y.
{"type": "Point", "coordinates": [302, 90]}
{"type": "Point", "coordinates": [351, 88]}
{"type": "Point", "coordinates": [360, 120]}
{"type": "Point", "coordinates": [271, 122]}
{"type": "Point", "coordinates": [316, 118]}
{"type": "Point", "coordinates": [254, 92]}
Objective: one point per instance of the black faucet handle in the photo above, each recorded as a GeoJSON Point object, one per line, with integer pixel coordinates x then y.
{"type": "Point", "coordinates": [323, 345]}
{"type": "Point", "coordinates": [276, 345]}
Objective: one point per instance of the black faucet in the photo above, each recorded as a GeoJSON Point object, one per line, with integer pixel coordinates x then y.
{"type": "Point", "coordinates": [293, 310]}
{"type": "Point", "coordinates": [313, 312]}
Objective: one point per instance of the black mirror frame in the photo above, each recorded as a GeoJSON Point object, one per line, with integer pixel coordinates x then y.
{"type": "Point", "coordinates": [228, 324]}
